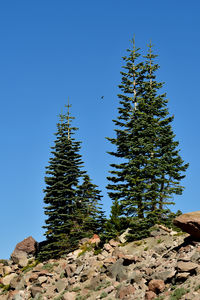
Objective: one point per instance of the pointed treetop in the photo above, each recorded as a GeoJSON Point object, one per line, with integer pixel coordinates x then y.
{"type": "Point", "coordinates": [68, 118]}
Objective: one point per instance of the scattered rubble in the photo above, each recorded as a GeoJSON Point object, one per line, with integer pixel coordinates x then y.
{"type": "Point", "coordinates": [159, 267]}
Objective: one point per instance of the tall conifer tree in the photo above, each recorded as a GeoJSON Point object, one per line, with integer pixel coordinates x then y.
{"type": "Point", "coordinates": [151, 167]}
{"type": "Point", "coordinates": [63, 174]}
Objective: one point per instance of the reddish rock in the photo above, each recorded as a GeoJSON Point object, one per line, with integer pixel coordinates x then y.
{"type": "Point", "coordinates": [150, 295]}
{"type": "Point", "coordinates": [109, 260]}
{"type": "Point", "coordinates": [95, 239]}
{"type": "Point", "coordinates": [125, 292]}
{"type": "Point", "coordinates": [157, 286]}
{"type": "Point", "coordinates": [108, 247]}
{"type": "Point", "coordinates": [113, 243]}
{"type": "Point", "coordinates": [190, 223]}
{"type": "Point", "coordinates": [28, 245]}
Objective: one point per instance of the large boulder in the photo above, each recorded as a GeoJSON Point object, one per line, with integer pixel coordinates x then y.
{"type": "Point", "coordinates": [23, 251]}
{"type": "Point", "coordinates": [28, 245]}
{"type": "Point", "coordinates": [190, 223]}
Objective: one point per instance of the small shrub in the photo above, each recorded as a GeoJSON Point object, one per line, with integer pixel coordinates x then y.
{"type": "Point", "coordinates": [160, 298]}
{"type": "Point", "coordinates": [178, 293]}
{"type": "Point", "coordinates": [138, 243]}
{"type": "Point", "coordinates": [30, 266]}
{"type": "Point", "coordinates": [197, 287]}
{"type": "Point", "coordinates": [62, 275]}
{"type": "Point", "coordinates": [103, 295]}
{"type": "Point", "coordinates": [159, 241]}
{"type": "Point", "coordinates": [99, 287]}
{"type": "Point", "coordinates": [85, 248]}
{"type": "Point", "coordinates": [97, 251]}
{"type": "Point", "coordinates": [5, 288]}
{"type": "Point", "coordinates": [4, 262]}
{"type": "Point", "coordinates": [48, 267]}
{"type": "Point", "coordinates": [76, 289]}
{"type": "Point", "coordinates": [146, 248]}
{"type": "Point", "coordinates": [60, 297]}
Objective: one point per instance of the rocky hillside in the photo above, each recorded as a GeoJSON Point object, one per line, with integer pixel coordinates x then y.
{"type": "Point", "coordinates": [163, 266]}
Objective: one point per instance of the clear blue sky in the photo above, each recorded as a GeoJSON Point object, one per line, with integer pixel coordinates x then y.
{"type": "Point", "coordinates": [51, 50]}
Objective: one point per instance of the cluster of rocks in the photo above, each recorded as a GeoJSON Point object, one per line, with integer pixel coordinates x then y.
{"type": "Point", "coordinates": [159, 267]}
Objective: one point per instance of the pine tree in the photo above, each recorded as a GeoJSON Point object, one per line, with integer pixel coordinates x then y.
{"type": "Point", "coordinates": [63, 174]}
{"type": "Point", "coordinates": [92, 217]}
{"type": "Point", "coordinates": [151, 167]}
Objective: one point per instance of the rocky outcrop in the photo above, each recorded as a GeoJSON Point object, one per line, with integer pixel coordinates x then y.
{"type": "Point", "coordinates": [190, 223]}
{"type": "Point", "coordinates": [23, 251]}
{"type": "Point", "coordinates": [159, 267]}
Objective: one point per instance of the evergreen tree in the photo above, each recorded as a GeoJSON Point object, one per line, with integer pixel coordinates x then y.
{"type": "Point", "coordinates": [92, 218]}
{"type": "Point", "coordinates": [151, 167]}
{"type": "Point", "coordinates": [63, 174]}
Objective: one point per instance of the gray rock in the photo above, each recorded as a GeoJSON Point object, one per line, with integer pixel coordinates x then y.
{"type": "Point", "coordinates": [17, 283]}
{"type": "Point", "coordinates": [117, 271]}
{"type": "Point", "coordinates": [78, 270]}
{"type": "Point", "coordinates": [135, 276]}
{"type": "Point", "coordinates": [35, 290]}
{"type": "Point", "coordinates": [164, 275]}
{"type": "Point", "coordinates": [60, 285]}
{"type": "Point", "coordinates": [20, 258]}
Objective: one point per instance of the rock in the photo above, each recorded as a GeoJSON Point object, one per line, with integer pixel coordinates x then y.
{"type": "Point", "coordinates": [17, 283]}
{"type": "Point", "coordinates": [125, 291]}
{"type": "Point", "coordinates": [28, 245]}
{"type": "Point", "coordinates": [60, 285]}
{"type": "Point", "coordinates": [128, 259]}
{"type": "Point", "coordinates": [108, 247]}
{"type": "Point", "coordinates": [150, 295]}
{"type": "Point", "coordinates": [78, 270]}
{"type": "Point", "coordinates": [157, 286]}
{"type": "Point", "coordinates": [42, 279]}
{"type": "Point", "coordinates": [69, 270]}
{"type": "Point", "coordinates": [164, 275]}
{"type": "Point", "coordinates": [109, 260]}
{"type": "Point", "coordinates": [186, 266]}
{"type": "Point", "coordinates": [35, 290]}
{"type": "Point", "coordinates": [183, 276]}
{"type": "Point", "coordinates": [109, 289]}
{"type": "Point", "coordinates": [122, 237]}
{"type": "Point", "coordinates": [7, 270]}
{"type": "Point", "coordinates": [95, 239]}
{"type": "Point", "coordinates": [113, 243]}
{"type": "Point", "coordinates": [117, 271]}
{"type": "Point", "coordinates": [190, 223]}
{"type": "Point", "coordinates": [135, 276]}
{"type": "Point", "coordinates": [69, 296]}
{"type": "Point", "coordinates": [16, 295]}
{"type": "Point", "coordinates": [7, 279]}
{"type": "Point", "coordinates": [20, 258]}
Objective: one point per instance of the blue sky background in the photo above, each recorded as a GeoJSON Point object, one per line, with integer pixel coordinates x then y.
{"type": "Point", "coordinates": [52, 50]}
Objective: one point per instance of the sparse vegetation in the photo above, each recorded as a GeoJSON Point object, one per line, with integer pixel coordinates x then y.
{"type": "Point", "coordinates": [48, 267]}
{"type": "Point", "coordinates": [178, 293]}
{"type": "Point", "coordinates": [103, 295]}
{"type": "Point", "coordinates": [30, 266]}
